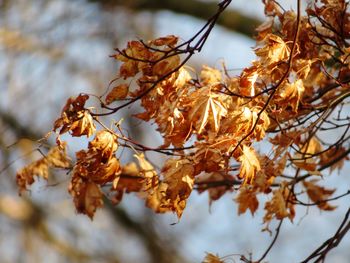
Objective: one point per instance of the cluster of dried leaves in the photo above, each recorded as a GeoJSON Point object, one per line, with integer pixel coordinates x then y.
{"type": "Point", "coordinates": [210, 121]}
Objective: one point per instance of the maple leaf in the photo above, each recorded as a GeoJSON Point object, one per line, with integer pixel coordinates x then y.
{"type": "Point", "coordinates": [25, 176]}
{"type": "Point", "coordinates": [210, 76]}
{"type": "Point", "coordinates": [319, 194]}
{"type": "Point", "coordinates": [87, 196]}
{"type": "Point", "coordinates": [247, 81]}
{"type": "Point", "coordinates": [242, 121]}
{"type": "Point", "coordinates": [75, 118]}
{"type": "Point", "coordinates": [169, 40]}
{"type": "Point", "coordinates": [333, 154]}
{"type": "Point", "coordinates": [92, 166]}
{"type": "Point", "coordinates": [173, 191]}
{"type": "Point", "coordinates": [249, 165]}
{"type": "Point", "coordinates": [166, 65]}
{"type": "Point", "coordinates": [156, 199]}
{"type": "Point", "coordinates": [130, 180]}
{"type": "Point", "coordinates": [274, 50]}
{"type": "Point", "coordinates": [117, 93]}
{"type": "Point", "coordinates": [129, 69]}
{"type": "Point", "coordinates": [147, 171]}
{"type": "Point", "coordinates": [179, 175]}
{"type": "Point", "coordinates": [135, 58]}
{"type": "Point", "coordinates": [98, 164]}
{"type": "Point", "coordinates": [246, 199]}
{"type": "Point", "coordinates": [303, 159]}
{"type": "Point", "coordinates": [208, 159]}
{"type": "Point", "coordinates": [206, 108]}
{"type": "Point", "coordinates": [291, 94]}
{"type": "Point", "coordinates": [278, 207]}
{"type": "Point", "coordinates": [55, 158]}
{"type": "Point", "coordinates": [211, 258]}
{"type": "Point", "coordinates": [105, 142]}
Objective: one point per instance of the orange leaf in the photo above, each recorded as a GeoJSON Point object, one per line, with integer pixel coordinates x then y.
{"type": "Point", "coordinates": [247, 200]}
{"type": "Point", "coordinates": [117, 93]}
{"type": "Point", "coordinates": [169, 40]}
{"type": "Point", "coordinates": [249, 165]}
{"type": "Point", "coordinates": [318, 194]}
{"type": "Point", "coordinates": [87, 196]}
{"type": "Point", "coordinates": [211, 258]}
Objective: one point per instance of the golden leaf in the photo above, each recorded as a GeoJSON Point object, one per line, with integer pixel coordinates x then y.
{"type": "Point", "coordinates": [249, 165]}
{"type": "Point", "coordinates": [211, 258]}
{"type": "Point", "coordinates": [290, 94]}
{"type": "Point", "coordinates": [57, 157]}
{"type": "Point", "coordinates": [274, 49]}
{"type": "Point", "coordinates": [247, 81]}
{"type": "Point", "coordinates": [206, 108]}
{"type": "Point", "coordinates": [129, 69]}
{"type": "Point", "coordinates": [104, 142]}
{"type": "Point", "coordinates": [172, 193]}
{"type": "Point", "coordinates": [210, 76]}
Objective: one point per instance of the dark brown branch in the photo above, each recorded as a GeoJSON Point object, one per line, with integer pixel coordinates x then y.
{"type": "Point", "coordinates": [321, 252]}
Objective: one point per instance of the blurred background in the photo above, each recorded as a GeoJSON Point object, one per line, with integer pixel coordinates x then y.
{"type": "Point", "coordinates": [50, 50]}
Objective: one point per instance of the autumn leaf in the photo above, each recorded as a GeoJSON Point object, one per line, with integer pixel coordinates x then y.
{"type": "Point", "coordinates": [250, 165]}
{"type": "Point", "coordinates": [277, 207]}
{"type": "Point", "coordinates": [147, 171]}
{"type": "Point", "coordinates": [55, 158]}
{"type": "Point", "coordinates": [211, 258]}
{"type": "Point", "coordinates": [105, 142]}
{"type": "Point", "coordinates": [130, 180]}
{"type": "Point", "coordinates": [319, 194]}
{"type": "Point", "coordinates": [291, 94]}
{"type": "Point", "coordinates": [75, 118]}
{"type": "Point", "coordinates": [304, 158]}
{"type": "Point", "coordinates": [246, 199]}
{"type": "Point", "coordinates": [274, 49]}
{"type": "Point", "coordinates": [210, 76]}
{"type": "Point", "coordinates": [98, 164]}
{"type": "Point", "coordinates": [169, 40]}
{"type": "Point", "coordinates": [87, 196]}
{"type": "Point", "coordinates": [165, 66]}
{"type": "Point", "coordinates": [206, 109]}
{"type": "Point", "coordinates": [247, 81]}
{"type": "Point", "coordinates": [332, 154]}
{"type": "Point", "coordinates": [173, 191]}
{"type": "Point", "coordinates": [25, 176]}
{"type": "Point", "coordinates": [117, 93]}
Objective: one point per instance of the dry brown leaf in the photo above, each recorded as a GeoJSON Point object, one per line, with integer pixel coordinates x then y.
{"type": "Point", "coordinates": [246, 199]}
{"type": "Point", "coordinates": [318, 194]}
{"type": "Point", "coordinates": [87, 196]}
{"type": "Point", "coordinates": [117, 93]}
